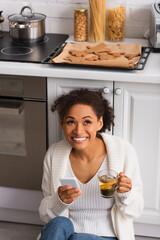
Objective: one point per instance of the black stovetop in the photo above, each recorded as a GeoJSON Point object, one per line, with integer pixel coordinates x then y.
{"type": "Point", "coordinates": [33, 52]}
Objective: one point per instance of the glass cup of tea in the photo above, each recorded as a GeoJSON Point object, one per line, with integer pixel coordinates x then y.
{"type": "Point", "coordinates": [108, 182]}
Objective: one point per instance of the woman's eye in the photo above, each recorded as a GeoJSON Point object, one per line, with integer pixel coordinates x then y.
{"type": "Point", "coordinates": [70, 122]}
{"type": "Point", "coordinates": [87, 122]}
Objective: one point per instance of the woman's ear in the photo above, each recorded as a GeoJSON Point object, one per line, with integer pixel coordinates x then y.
{"type": "Point", "coordinates": [100, 123]}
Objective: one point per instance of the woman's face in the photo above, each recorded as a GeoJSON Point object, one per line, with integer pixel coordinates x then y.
{"type": "Point", "coordinates": [80, 126]}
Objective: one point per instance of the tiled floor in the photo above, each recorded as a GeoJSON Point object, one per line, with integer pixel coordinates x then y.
{"type": "Point", "coordinates": [15, 231]}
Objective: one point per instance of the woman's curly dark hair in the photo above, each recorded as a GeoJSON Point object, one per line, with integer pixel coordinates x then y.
{"type": "Point", "coordinates": [95, 99]}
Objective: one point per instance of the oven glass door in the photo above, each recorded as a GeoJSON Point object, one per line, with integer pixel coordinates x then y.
{"type": "Point", "coordinates": [22, 143]}
{"type": "Point", "coordinates": [12, 128]}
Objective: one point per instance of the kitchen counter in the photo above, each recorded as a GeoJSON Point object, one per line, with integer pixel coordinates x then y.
{"type": "Point", "coordinates": [150, 73]}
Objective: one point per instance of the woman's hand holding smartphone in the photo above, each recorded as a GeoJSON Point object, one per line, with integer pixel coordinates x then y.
{"type": "Point", "coordinates": [69, 191]}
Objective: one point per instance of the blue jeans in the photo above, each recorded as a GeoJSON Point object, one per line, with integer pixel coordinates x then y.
{"type": "Point", "coordinates": [61, 228]}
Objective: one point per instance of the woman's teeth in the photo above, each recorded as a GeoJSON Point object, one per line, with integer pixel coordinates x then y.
{"type": "Point", "coordinates": [79, 139]}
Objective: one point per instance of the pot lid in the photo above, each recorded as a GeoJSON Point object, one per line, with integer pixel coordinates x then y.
{"type": "Point", "coordinates": [29, 16]}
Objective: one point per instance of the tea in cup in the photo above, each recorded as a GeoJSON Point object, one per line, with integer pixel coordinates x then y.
{"type": "Point", "coordinates": [108, 182]}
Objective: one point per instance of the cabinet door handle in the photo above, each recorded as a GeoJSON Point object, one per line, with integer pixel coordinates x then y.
{"type": "Point", "coordinates": [106, 90]}
{"type": "Point", "coordinates": [118, 91]}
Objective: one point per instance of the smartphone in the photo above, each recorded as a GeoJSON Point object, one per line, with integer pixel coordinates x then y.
{"type": "Point", "coordinates": [69, 181]}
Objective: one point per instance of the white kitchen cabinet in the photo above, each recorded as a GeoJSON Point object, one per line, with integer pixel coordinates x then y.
{"type": "Point", "coordinates": [137, 119]}
{"type": "Point", "coordinates": [57, 87]}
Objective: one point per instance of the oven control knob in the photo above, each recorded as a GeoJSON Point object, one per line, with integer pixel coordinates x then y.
{"type": "Point", "coordinates": [106, 90]}
{"type": "Point", "coordinates": [118, 91]}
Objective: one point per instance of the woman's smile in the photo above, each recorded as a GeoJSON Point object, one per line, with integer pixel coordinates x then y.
{"type": "Point", "coordinates": [78, 139]}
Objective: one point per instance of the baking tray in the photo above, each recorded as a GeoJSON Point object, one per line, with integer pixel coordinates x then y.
{"type": "Point", "coordinates": [140, 66]}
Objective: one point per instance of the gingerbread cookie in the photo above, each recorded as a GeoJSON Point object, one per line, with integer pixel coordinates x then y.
{"type": "Point", "coordinates": [130, 56]}
{"type": "Point", "coordinates": [105, 56]}
{"type": "Point", "coordinates": [103, 50]}
{"type": "Point", "coordinates": [77, 53]}
{"type": "Point", "coordinates": [73, 59]}
{"type": "Point", "coordinates": [116, 54]}
{"type": "Point", "coordinates": [92, 58]}
{"type": "Point", "coordinates": [96, 49]}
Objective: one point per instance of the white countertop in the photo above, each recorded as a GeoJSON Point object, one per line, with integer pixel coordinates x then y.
{"type": "Point", "coordinates": [150, 73]}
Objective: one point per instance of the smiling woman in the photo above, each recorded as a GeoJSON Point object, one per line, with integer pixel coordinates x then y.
{"type": "Point", "coordinates": [72, 213]}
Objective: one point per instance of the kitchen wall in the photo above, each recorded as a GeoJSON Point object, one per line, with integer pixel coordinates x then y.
{"type": "Point", "coordinates": [60, 14]}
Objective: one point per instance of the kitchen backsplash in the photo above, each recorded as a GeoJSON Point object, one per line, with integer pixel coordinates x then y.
{"type": "Point", "coordinates": [60, 14]}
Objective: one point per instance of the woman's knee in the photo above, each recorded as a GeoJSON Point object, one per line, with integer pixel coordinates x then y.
{"type": "Point", "coordinates": [57, 228]}
{"type": "Point", "coordinates": [60, 222]}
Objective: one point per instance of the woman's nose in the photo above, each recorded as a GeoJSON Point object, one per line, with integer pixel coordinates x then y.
{"type": "Point", "coordinates": [78, 128]}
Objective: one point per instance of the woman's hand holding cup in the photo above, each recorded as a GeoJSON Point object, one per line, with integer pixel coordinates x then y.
{"type": "Point", "coordinates": [124, 183]}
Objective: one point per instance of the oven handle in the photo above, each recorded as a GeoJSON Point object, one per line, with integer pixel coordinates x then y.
{"type": "Point", "coordinates": [11, 109]}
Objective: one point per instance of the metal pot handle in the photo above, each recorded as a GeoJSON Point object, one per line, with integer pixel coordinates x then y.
{"type": "Point", "coordinates": [22, 10]}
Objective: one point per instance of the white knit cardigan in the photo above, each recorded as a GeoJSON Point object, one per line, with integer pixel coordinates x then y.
{"type": "Point", "coordinates": [121, 158]}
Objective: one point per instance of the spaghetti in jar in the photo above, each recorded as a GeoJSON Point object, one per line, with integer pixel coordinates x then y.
{"type": "Point", "coordinates": [97, 20]}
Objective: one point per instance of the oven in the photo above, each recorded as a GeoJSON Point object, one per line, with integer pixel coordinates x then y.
{"type": "Point", "coordinates": [23, 131]}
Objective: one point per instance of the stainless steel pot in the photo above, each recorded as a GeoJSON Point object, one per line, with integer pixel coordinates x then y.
{"type": "Point", "coordinates": [27, 27]}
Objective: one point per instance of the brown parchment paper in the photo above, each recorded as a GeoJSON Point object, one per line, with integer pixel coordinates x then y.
{"type": "Point", "coordinates": [121, 61]}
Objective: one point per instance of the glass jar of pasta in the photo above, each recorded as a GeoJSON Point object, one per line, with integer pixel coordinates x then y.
{"type": "Point", "coordinates": [116, 18]}
{"type": "Point", "coordinates": [97, 31]}
{"type": "Point", "coordinates": [80, 24]}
